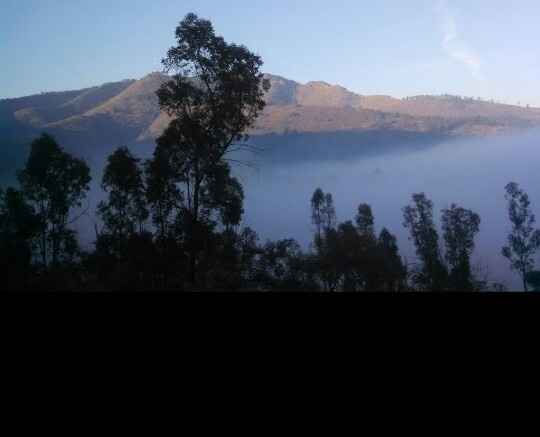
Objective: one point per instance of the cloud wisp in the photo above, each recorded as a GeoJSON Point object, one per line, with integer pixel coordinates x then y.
{"type": "Point", "coordinates": [456, 47]}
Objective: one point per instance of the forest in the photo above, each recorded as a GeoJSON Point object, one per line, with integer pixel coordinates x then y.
{"type": "Point", "coordinates": [173, 223]}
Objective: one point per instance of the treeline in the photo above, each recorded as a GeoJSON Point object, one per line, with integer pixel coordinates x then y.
{"type": "Point", "coordinates": [148, 240]}
{"type": "Point", "coordinates": [172, 223]}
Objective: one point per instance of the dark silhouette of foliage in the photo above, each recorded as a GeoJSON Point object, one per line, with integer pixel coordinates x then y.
{"type": "Point", "coordinates": [330, 271]}
{"type": "Point", "coordinates": [393, 273]}
{"type": "Point", "coordinates": [215, 95]}
{"type": "Point", "coordinates": [19, 225]}
{"type": "Point", "coordinates": [329, 219]}
{"type": "Point", "coordinates": [225, 196]}
{"type": "Point", "coordinates": [460, 226]}
{"type": "Point", "coordinates": [163, 196]}
{"type": "Point", "coordinates": [524, 240]}
{"type": "Point", "coordinates": [132, 255]}
{"type": "Point", "coordinates": [418, 218]}
{"type": "Point", "coordinates": [317, 205]}
{"type": "Point", "coordinates": [125, 256]}
{"type": "Point", "coordinates": [533, 279]}
{"type": "Point", "coordinates": [54, 183]}
{"type": "Point", "coordinates": [323, 216]}
{"type": "Point", "coordinates": [164, 201]}
{"type": "Point", "coordinates": [365, 221]}
{"type": "Point", "coordinates": [283, 267]}
{"type": "Point", "coordinates": [125, 211]}
{"type": "Point", "coordinates": [350, 258]}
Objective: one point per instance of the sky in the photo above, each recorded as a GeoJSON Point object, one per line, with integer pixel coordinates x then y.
{"type": "Point", "coordinates": [474, 48]}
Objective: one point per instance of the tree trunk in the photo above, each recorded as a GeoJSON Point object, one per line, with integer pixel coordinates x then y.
{"type": "Point", "coordinates": [525, 285]}
{"type": "Point", "coordinates": [55, 247]}
{"type": "Point", "coordinates": [194, 232]}
{"type": "Point", "coordinates": [44, 248]}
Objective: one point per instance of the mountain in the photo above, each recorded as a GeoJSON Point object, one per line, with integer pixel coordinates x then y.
{"type": "Point", "coordinates": [321, 107]}
{"type": "Point", "coordinates": [101, 118]}
{"type": "Point", "coordinates": [133, 107]}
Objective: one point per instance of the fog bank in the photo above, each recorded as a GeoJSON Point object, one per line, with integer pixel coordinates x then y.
{"type": "Point", "coordinates": [472, 173]}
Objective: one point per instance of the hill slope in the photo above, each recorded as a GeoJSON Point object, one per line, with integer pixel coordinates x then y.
{"type": "Point", "coordinates": [127, 112]}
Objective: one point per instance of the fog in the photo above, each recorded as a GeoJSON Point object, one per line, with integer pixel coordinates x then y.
{"type": "Point", "coordinates": [472, 173]}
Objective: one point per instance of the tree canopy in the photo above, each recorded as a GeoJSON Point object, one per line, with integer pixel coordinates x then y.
{"type": "Point", "coordinates": [215, 94]}
{"type": "Point", "coordinates": [54, 183]}
{"type": "Point", "coordinates": [524, 240]}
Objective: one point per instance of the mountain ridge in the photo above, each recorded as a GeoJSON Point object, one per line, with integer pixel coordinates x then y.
{"type": "Point", "coordinates": [133, 103]}
{"type": "Point", "coordinates": [128, 112]}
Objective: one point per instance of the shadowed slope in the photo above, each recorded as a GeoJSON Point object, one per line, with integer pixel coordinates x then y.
{"type": "Point", "coordinates": [127, 112]}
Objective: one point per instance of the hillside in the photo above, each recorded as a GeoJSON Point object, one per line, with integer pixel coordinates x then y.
{"type": "Point", "coordinates": [127, 112]}
{"type": "Point", "coordinates": [339, 109]}
{"type": "Point", "coordinates": [132, 106]}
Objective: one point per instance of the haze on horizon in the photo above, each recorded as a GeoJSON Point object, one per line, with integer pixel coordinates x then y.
{"type": "Point", "coordinates": [481, 49]}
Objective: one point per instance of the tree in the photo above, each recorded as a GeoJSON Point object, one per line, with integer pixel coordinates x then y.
{"type": "Point", "coordinates": [533, 279]}
{"type": "Point", "coordinates": [365, 220]}
{"type": "Point", "coordinates": [163, 196]}
{"type": "Point", "coordinates": [125, 253]}
{"type": "Point", "coordinates": [524, 240]}
{"type": "Point", "coordinates": [54, 183]}
{"type": "Point", "coordinates": [323, 216]}
{"type": "Point", "coordinates": [418, 218]}
{"type": "Point", "coordinates": [283, 267]}
{"type": "Point", "coordinates": [329, 219]}
{"type": "Point", "coordinates": [369, 263]}
{"type": "Point", "coordinates": [460, 226]}
{"type": "Point", "coordinates": [226, 196]}
{"type": "Point", "coordinates": [19, 225]}
{"type": "Point", "coordinates": [249, 250]}
{"type": "Point", "coordinates": [393, 271]}
{"type": "Point", "coordinates": [317, 204]}
{"type": "Point", "coordinates": [345, 257]}
{"type": "Point", "coordinates": [214, 96]}
{"type": "Point", "coordinates": [125, 211]}
{"type": "Point", "coordinates": [355, 258]}
{"type": "Point", "coordinates": [165, 201]}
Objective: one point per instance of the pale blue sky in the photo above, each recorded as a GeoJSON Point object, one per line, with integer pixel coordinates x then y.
{"type": "Point", "coordinates": [480, 48]}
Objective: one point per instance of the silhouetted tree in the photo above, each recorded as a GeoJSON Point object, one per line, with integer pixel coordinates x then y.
{"type": "Point", "coordinates": [125, 211]}
{"type": "Point", "coordinates": [19, 225]}
{"type": "Point", "coordinates": [125, 256]}
{"type": "Point", "coordinates": [365, 220]}
{"type": "Point", "coordinates": [163, 196]}
{"type": "Point", "coordinates": [249, 251]}
{"type": "Point", "coordinates": [317, 204]}
{"type": "Point", "coordinates": [165, 203]}
{"type": "Point", "coordinates": [215, 95]}
{"type": "Point", "coordinates": [283, 267]}
{"type": "Point", "coordinates": [326, 241]}
{"type": "Point", "coordinates": [225, 195]}
{"type": "Point", "coordinates": [329, 218]}
{"type": "Point", "coordinates": [54, 183]}
{"type": "Point", "coordinates": [460, 227]}
{"type": "Point", "coordinates": [393, 271]}
{"type": "Point", "coordinates": [533, 279]}
{"type": "Point", "coordinates": [349, 257]}
{"type": "Point", "coordinates": [375, 262]}
{"type": "Point", "coordinates": [524, 240]}
{"type": "Point", "coordinates": [418, 218]}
